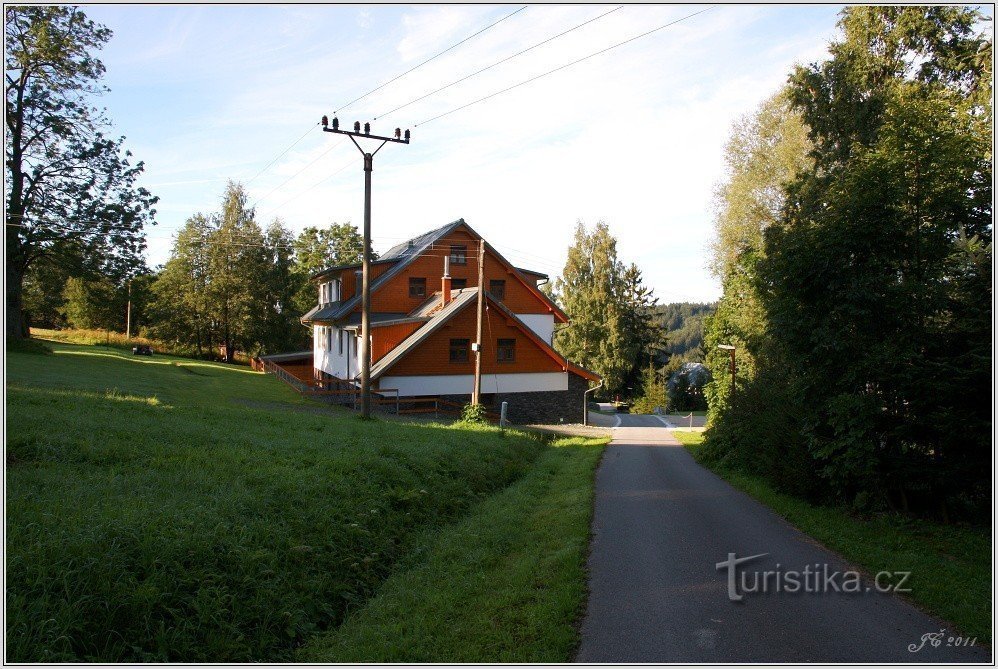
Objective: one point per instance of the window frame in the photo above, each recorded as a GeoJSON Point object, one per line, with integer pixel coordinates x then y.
{"type": "Point", "coordinates": [497, 282]}
{"type": "Point", "coordinates": [505, 344]}
{"type": "Point", "coordinates": [415, 281]}
{"type": "Point", "coordinates": [462, 345]}
{"type": "Point", "coordinates": [458, 254]}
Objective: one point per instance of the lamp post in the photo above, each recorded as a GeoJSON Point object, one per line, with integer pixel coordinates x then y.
{"type": "Point", "coordinates": [365, 312]}
{"type": "Point", "coordinates": [730, 349]}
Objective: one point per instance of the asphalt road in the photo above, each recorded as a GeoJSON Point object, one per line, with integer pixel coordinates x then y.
{"type": "Point", "coordinates": [662, 524]}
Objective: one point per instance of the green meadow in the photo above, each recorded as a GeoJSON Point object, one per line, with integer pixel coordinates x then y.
{"type": "Point", "coordinates": [167, 509]}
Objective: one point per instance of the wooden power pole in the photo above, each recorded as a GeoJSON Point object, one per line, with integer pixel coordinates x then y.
{"type": "Point", "coordinates": [365, 314]}
{"type": "Point", "coordinates": [128, 314]}
{"type": "Point", "coordinates": [476, 396]}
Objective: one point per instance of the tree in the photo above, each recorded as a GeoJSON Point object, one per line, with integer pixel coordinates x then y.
{"type": "Point", "coordinates": [590, 290]}
{"type": "Point", "coordinates": [315, 249]}
{"type": "Point", "coordinates": [766, 151]}
{"type": "Point", "coordinates": [180, 308]}
{"type": "Point", "coordinates": [237, 268]}
{"type": "Point", "coordinates": [71, 192]}
{"type": "Point", "coordinates": [859, 309]}
{"type": "Point", "coordinates": [653, 392]}
{"type": "Point", "coordinates": [612, 330]}
{"type": "Point", "coordinates": [94, 305]}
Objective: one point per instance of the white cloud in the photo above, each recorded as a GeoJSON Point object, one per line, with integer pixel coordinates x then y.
{"type": "Point", "coordinates": [634, 136]}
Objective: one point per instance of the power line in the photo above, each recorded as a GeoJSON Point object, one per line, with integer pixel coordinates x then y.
{"type": "Point", "coordinates": [281, 155]}
{"type": "Point", "coordinates": [283, 183]}
{"type": "Point", "coordinates": [562, 67]}
{"type": "Point", "coordinates": [373, 90]}
{"type": "Point", "coordinates": [315, 185]}
{"type": "Point", "coordinates": [499, 62]}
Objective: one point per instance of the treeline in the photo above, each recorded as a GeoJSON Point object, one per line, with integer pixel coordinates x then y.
{"type": "Point", "coordinates": [613, 331]}
{"type": "Point", "coordinates": [229, 285]}
{"type": "Point", "coordinates": [683, 325]}
{"type": "Point", "coordinates": [854, 245]}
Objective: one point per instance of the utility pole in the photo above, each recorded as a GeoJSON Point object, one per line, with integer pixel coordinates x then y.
{"type": "Point", "coordinates": [128, 316]}
{"type": "Point", "coordinates": [365, 314]}
{"type": "Point", "coordinates": [476, 396]}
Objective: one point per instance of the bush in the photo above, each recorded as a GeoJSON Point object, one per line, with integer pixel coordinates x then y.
{"type": "Point", "coordinates": [474, 414]}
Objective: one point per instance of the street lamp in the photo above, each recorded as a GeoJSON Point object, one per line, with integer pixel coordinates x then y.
{"type": "Point", "coordinates": [730, 349]}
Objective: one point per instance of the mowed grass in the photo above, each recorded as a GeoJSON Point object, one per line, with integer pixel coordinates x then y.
{"type": "Point", "coordinates": [167, 509]}
{"type": "Point", "coordinates": [505, 584]}
{"type": "Point", "coordinates": [950, 565]}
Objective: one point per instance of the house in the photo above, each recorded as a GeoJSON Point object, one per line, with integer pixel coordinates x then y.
{"type": "Point", "coordinates": [423, 323]}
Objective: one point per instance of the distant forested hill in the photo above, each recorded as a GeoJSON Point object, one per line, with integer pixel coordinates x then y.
{"type": "Point", "coordinates": [683, 321]}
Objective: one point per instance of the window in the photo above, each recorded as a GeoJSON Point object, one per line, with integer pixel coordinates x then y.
{"type": "Point", "coordinates": [497, 288]}
{"type": "Point", "coordinates": [505, 350]}
{"type": "Point", "coordinates": [320, 335]}
{"type": "Point", "coordinates": [417, 286]}
{"type": "Point", "coordinates": [339, 341]}
{"type": "Point", "coordinates": [458, 284]}
{"type": "Point", "coordinates": [459, 350]}
{"type": "Point", "coordinates": [458, 254]}
{"type": "Point", "coordinates": [329, 339]}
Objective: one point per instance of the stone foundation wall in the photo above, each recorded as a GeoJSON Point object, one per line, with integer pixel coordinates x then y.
{"type": "Point", "coordinates": [550, 406]}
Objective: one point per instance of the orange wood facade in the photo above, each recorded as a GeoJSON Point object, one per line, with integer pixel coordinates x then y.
{"type": "Point", "coordinates": [387, 337]}
{"type": "Point", "coordinates": [521, 295]}
{"type": "Point", "coordinates": [348, 277]}
{"type": "Point", "coordinates": [432, 357]}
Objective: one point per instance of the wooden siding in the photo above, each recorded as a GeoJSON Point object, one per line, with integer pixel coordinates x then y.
{"type": "Point", "coordinates": [394, 296]}
{"type": "Point", "coordinates": [348, 277]}
{"type": "Point", "coordinates": [432, 356]}
{"type": "Point", "coordinates": [385, 338]}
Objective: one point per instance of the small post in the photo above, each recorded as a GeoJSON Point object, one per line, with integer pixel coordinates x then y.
{"type": "Point", "coordinates": [502, 414]}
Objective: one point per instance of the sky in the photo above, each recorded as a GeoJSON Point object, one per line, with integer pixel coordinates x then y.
{"type": "Point", "coordinates": [634, 136]}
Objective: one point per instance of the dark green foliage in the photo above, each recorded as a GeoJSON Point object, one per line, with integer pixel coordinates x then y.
{"type": "Point", "coordinates": [612, 329]}
{"type": "Point", "coordinates": [171, 510]}
{"type": "Point", "coordinates": [863, 318]}
{"type": "Point", "coordinates": [474, 414]}
{"type": "Point", "coordinates": [683, 326]}
{"type": "Point", "coordinates": [686, 387]}
{"type": "Point", "coordinates": [71, 191]}
{"type": "Point", "coordinates": [653, 393]}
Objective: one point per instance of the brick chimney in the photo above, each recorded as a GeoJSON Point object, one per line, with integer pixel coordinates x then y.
{"type": "Point", "coordinates": [445, 283]}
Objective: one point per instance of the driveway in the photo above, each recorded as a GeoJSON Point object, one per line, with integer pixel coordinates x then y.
{"type": "Point", "coordinates": [663, 523]}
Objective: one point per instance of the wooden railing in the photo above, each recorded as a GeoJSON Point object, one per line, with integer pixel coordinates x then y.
{"type": "Point", "coordinates": [438, 407]}
{"type": "Point", "coordinates": [344, 392]}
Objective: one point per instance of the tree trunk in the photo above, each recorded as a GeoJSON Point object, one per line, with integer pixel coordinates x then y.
{"type": "Point", "coordinates": [16, 325]}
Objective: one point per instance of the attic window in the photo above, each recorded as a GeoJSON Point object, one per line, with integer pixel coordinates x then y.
{"type": "Point", "coordinates": [417, 286]}
{"type": "Point", "coordinates": [505, 350]}
{"type": "Point", "coordinates": [497, 288]}
{"type": "Point", "coordinates": [459, 350]}
{"type": "Point", "coordinates": [458, 254]}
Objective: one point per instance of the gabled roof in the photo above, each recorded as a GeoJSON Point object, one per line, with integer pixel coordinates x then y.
{"type": "Point", "coordinates": [402, 255]}
{"type": "Point", "coordinates": [462, 299]}
{"type": "Point", "coordinates": [459, 301]}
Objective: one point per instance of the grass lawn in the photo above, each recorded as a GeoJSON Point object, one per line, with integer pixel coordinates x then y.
{"type": "Point", "coordinates": [166, 509]}
{"type": "Point", "coordinates": [505, 584]}
{"type": "Point", "coordinates": [950, 565]}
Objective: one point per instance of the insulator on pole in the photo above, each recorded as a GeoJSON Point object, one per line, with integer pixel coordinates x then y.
{"type": "Point", "coordinates": [367, 128]}
{"type": "Point", "coordinates": [398, 133]}
{"type": "Point", "coordinates": [325, 120]}
{"type": "Point", "coordinates": [356, 126]}
{"type": "Point", "coordinates": [336, 123]}
{"type": "Point", "coordinates": [407, 134]}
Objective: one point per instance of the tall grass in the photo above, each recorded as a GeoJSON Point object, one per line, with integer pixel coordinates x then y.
{"type": "Point", "coordinates": [154, 515]}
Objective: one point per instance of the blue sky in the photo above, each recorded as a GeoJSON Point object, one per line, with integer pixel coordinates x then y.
{"type": "Point", "coordinates": [634, 136]}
